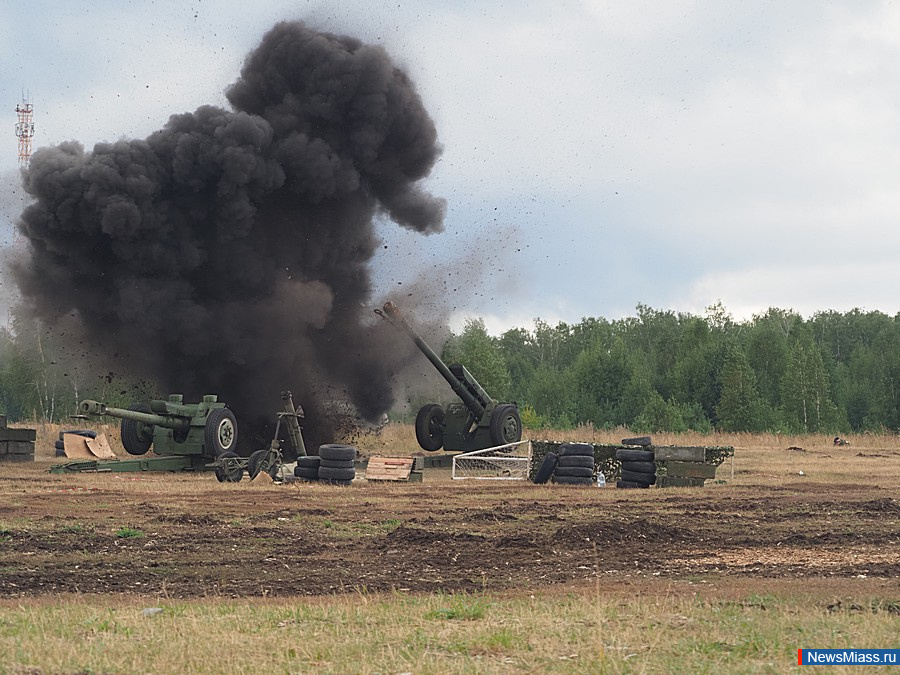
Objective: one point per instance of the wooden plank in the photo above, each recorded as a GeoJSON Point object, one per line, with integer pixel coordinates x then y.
{"type": "Point", "coordinates": [690, 469]}
{"type": "Point", "coordinates": [99, 447]}
{"type": "Point", "coordinates": [663, 453]}
{"type": "Point", "coordinates": [678, 481]}
{"type": "Point", "coordinates": [389, 468]}
{"type": "Point", "coordinates": [76, 447]}
{"type": "Point", "coordinates": [4, 448]}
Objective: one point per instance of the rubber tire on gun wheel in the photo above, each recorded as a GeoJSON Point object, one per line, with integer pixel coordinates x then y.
{"type": "Point", "coordinates": [574, 471]}
{"type": "Point", "coordinates": [573, 480]}
{"type": "Point", "coordinates": [220, 432]}
{"type": "Point", "coordinates": [255, 464]}
{"type": "Point", "coordinates": [577, 460]}
{"type": "Point", "coordinates": [134, 434]}
{"type": "Point", "coordinates": [548, 466]}
{"type": "Point", "coordinates": [576, 450]}
{"type": "Point", "coordinates": [326, 473]}
{"type": "Point", "coordinates": [637, 477]}
{"type": "Point", "coordinates": [625, 455]}
{"type": "Point", "coordinates": [337, 452]}
{"type": "Point", "coordinates": [506, 425]}
{"type": "Point", "coordinates": [225, 476]}
{"type": "Point", "coordinates": [637, 440]}
{"type": "Point", "coordinates": [640, 467]}
{"type": "Point", "coordinates": [430, 427]}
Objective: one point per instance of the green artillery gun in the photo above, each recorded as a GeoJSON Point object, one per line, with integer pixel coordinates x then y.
{"type": "Point", "coordinates": [199, 430]}
{"type": "Point", "coordinates": [478, 422]}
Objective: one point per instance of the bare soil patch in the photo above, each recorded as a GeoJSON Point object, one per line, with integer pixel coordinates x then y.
{"type": "Point", "coordinates": [186, 535]}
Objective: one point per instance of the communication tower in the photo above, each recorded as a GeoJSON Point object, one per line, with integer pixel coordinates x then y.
{"type": "Point", "coordinates": [25, 130]}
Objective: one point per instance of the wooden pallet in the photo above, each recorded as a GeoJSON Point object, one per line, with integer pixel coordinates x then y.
{"type": "Point", "coordinates": [393, 469]}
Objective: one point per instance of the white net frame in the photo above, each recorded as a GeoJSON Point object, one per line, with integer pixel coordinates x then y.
{"type": "Point", "coordinates": [503, 462]}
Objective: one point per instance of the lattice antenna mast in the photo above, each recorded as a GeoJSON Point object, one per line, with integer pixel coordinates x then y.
{"type": "Point", "coordinates": [25, 129]}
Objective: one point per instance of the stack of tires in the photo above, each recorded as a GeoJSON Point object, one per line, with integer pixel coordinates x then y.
{"type": "Point", "coordinates": [337, 464]}
{"type": "Point", "coordinates": [638, 466]}
{"type": "Point", "coordinates": [571, 464]}
{"type": "Point", "coordinates": [60, 445]}
{"type": "Point", "coordinates": [307, 468]}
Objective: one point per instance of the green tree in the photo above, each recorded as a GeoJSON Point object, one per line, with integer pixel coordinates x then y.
{"type": "Point", "coordinates": [806, 403]}
{"type": "Point", "coordinates": [740, 406]}
{"type": "Point", "coordinates": [481, 356]}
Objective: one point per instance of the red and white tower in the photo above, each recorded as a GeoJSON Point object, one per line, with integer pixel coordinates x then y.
{"type": "Point", "coordinates": [25, 130]}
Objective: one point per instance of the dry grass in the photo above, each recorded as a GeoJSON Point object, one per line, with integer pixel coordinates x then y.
{"type": "Point", "coordinates": [705, 624]}
{"type": "Point", "coordinates": [605, 631]}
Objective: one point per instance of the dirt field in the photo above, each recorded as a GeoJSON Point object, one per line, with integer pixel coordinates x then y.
{"type": "Point", "coordinates": [186, 535]}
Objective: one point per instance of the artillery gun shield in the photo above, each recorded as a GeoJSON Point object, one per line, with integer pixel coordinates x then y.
{"type": "Point", "coordinates": [430, 427]}
{"type": "Point", "coordinates": [137, 437]}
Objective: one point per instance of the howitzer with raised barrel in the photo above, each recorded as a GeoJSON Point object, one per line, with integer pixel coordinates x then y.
{"type": "Point", "coordinates": [172, 427]}
{"type": "Point", "coordinates": [477, 423]}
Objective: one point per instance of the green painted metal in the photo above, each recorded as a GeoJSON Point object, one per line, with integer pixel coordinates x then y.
{"type": "Point", "coordinates": [172, 427]}
{"type": "Point", "coordinates": [174, 463]}
{"type": "Point", "coordinates": [477, 422]}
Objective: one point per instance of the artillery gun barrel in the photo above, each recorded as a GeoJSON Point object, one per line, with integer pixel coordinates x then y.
{"type": "Point", "coordinates": [166, 421]}
{"type": "Point", "coordinates": [392, 312]}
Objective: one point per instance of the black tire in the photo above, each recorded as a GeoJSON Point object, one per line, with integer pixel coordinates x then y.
{"type": "Point", "coordinates": [506, 425]}
{"type": "Point", "coordinates": [430, 427]}
{"type": "Point", "coordinates": [137, 437]}
{"type": "Point", "coordinates": [577, 460]}
{"type": "Point", "coordinates": [326, 473]}
{"type": "Point", "coordinates": [220, 433]}
{"type": "Point", "coordinates": [629, 484]}
{"type": "Point", "coordinates": [60, 452]}
{"type": "Point", "coordinates": [309, 462]}
{"type": "Point", "coordinates": [255, 464]}
{"type": "Point", "coordinates": [304, 479]}
{"type": "Point", "coordinates": [342, 483]}
{"type": "Point", "coordinates": [643, 441]}
{"type": "Point", "coordinates": [637, 477]}
{"type": "Point", "coordinates": [639, 467]}
{"type": "Point", "coordinates": [307, 473]}
{"type": "Point", "coordinates": [336, 452]}
{"type": "Point", "coordinates": [59, 445]}
{"type": "Point", "coordinates": [337, 464]}
{"type": "Point", "coordinates": [224, 475]}
{"type": "Point", "coordinates": [634, 455]}
{"type": "Point", "coordinates": [87, 433]}
{"type": "Point", "coordinates": [576, 449]}
{"type": "Point", "coordinates": [576, 471]}
{"type": "Point", "coordinates": [572, 480]}
{"type": "Point", "coordinates": [547, 467]}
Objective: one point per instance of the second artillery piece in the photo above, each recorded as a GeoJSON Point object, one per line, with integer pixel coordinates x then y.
{"type": "Point", "coordinates": [199, 430]}
{"type": "Point", "coordinates": [479, 422]}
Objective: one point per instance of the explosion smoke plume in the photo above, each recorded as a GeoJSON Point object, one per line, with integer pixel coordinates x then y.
{"type": "Point", "coordinates": [228, 252]}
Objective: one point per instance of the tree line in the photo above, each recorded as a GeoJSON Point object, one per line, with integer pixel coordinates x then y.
{"type": "Point", "coordinates": [665, 371]}
{"type": "Point", "coordinates": [655, 371]}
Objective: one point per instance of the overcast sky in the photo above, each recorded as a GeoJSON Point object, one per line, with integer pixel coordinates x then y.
{"type": "Point", "coordinates": [597, 155]}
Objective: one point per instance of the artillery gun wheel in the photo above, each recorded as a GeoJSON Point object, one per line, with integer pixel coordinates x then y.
{"type": "Point", "coordinates": [137, 437]}
{"type": "Point", "coordinates": [229, 472]}
{"type": "Point", "coordinates": [258, 462]}
{"type": "Point", "coordinates": [220, 433]}
{"type": "Point", "coordinates": [430, 427]}
{"type": "Point", "coordinates": [506, 426]}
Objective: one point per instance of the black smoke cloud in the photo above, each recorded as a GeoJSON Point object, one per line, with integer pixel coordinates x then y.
{"type": "Point", "coordinates": [229, 251]}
